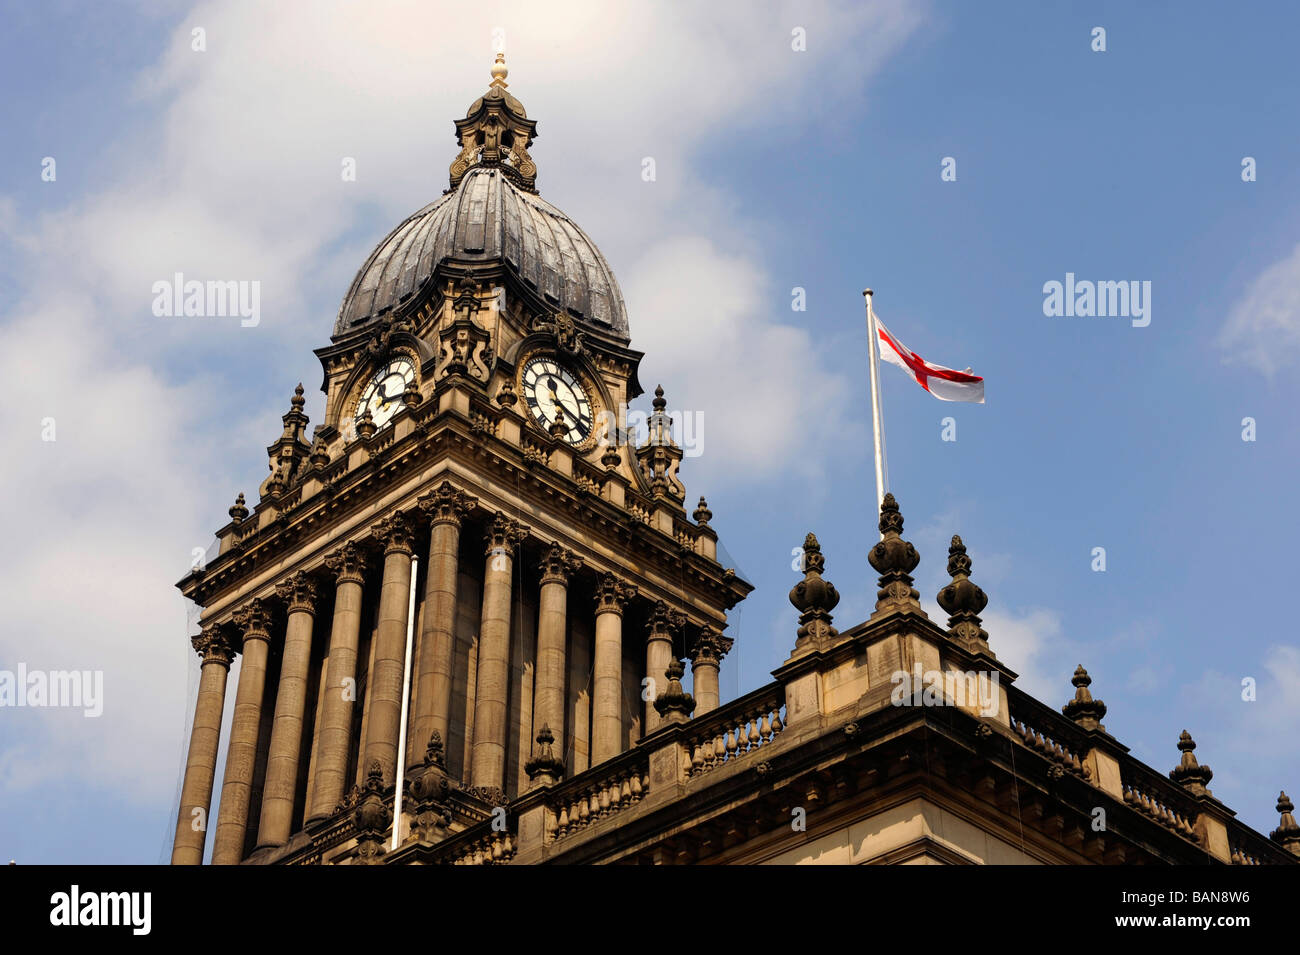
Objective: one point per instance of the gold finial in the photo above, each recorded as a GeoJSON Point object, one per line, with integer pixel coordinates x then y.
{"type": "Point", "coordinates": [499, 72]}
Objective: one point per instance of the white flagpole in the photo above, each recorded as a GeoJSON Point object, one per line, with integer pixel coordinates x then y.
{"type": "Point", "coordinates": [399, 776]}
{"type": "Point", "coordinates": [877, 425]}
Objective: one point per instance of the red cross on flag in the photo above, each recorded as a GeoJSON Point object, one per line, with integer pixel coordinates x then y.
{"type": "Point", "coordinates": [944, 383]}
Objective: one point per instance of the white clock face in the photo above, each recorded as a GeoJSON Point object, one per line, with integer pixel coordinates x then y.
{"type": "Point", "coordinates": [550, 390]}
{"type": "Point", "coordinates": [382, 396]}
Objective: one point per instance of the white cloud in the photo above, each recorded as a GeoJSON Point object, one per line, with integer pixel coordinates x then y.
{"type": "Point", "coordinates": [1263, 329]}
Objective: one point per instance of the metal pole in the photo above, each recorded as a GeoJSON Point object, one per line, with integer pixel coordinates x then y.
{"type": "Point", "coordinates": [877, 426]}
{"type": "Point", "coordinates": [406, 705]}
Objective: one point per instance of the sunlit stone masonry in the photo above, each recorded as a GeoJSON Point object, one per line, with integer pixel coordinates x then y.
{"type": "Point", "coordinates": [466, 602]}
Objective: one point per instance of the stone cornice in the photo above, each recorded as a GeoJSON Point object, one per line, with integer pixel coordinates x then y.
{"type": "Point", "coordinates": [450, 439]}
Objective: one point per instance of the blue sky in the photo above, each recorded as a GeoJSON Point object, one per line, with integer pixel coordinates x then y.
{"type": "Point", "coordinates": [776, 169]}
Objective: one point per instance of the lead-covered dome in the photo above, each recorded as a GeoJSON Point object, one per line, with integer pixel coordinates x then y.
{"type": "Point", "coordinates": [492, 213]}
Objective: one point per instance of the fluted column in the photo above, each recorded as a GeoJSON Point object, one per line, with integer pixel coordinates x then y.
{"type": "Point", "coordinates": [385, 685]}
{"type": "Point", "coordinates": [254, 621]}
{"type": "Point", "coordinates": [706, 656]}
{"type": "Point", "coordinates": [446, 508]}
{"type": "Point", "coordinates": [658, 654]}
{"type": "Point", "coordinates": [215, 649]}
{"type": "Point", "coordinates": [552, 631]}
{"type": "Point", "coordinates": [282, 761]}
{"type": "Point", "coordinates": [488, 761]}
{"type": "Point", "coordinates": [607, 680]}
{"type": "Point", "coordinates": [334, 742]}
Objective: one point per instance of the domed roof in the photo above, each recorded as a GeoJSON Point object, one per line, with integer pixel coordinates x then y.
{"type": "Point", "coordinates": [488, 218]}
{"type": "Point", "coordinates": [491, 214]}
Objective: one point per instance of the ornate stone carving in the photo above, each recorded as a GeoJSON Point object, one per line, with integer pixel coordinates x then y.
{"type": "Point", "coordinates": [674, 704]}
{"type": "Point", "coordinates": [612, 595]}
{"type": "Point", "coordinates": [663, 622]}
{"type": "Point", "coordinates": [504, 535]}
{"type": "Point", "coordinates": [702, 515]}
{"type": "Point", "coordinates": [894, 559]}
{"type": "Point", "coordinates": [396, 534]}
{"type": "Point", "coordinates": [710, 647]}
{"type": "Point", "coordinates": [348, 563]}
{"type": "Point", "coordinates": [1190, 774]}
{"type": "Point", "coordinates": [298, 593]}
{"type": "Point", "coordinates": [371, 817]}
{"type": "Point", "coordinates": [564, 330]}
{"type": "Point", "coordinates": [213, 646]}
{"type": "Point", "coordinates": [963, 600]}
{"type": "Point", "coordinates": [464, 344]}
{"type": "Point", "coordinates": [660, 457]}
{"type": "Point", "coordinates": [1287, 834]}
{"type": "Point", "coordinates": [558, 565]}
{"type": "Point", "coordinates": [239, 511]}
{"type": "Point", "coordinates": [1083, 709]}
{"type": "Point", "coordinates": [544, 768]}
{"type": "Point", "coordinates": [814, 597]}
{"type": "Point", "coordinates": [286, 455]}
{"type": "Point", "coordinates": [254, 620]}
{"type": "Point", "coordinates": [496, 132]}
{"type": "Point", "coordinates": [446, 504]}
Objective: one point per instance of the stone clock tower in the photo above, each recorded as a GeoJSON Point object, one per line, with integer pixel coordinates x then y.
{"type": "Point", "coordinates": [469, 582]}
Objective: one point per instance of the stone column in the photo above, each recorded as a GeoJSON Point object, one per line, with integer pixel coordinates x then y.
{"type": "Point", "coordinates": [254, 621]}
{"type": "Point", "coordinates": [658, 654]}
{"type": "Point", "coordinates": [282, 761]}
{"type": "Point", "coordinates": [446, 508]}
{"type": "Point", "coordinates": [385, 684]}
{"type": "Point", "coordinates": [334, 742]}
{"type": "Point", "coordinates": [607, 682]}
{"type": "Point", "coordinates": [488, 763]}
{"type": "Point", "coordinates": [706, 656]}
{"type": "Point", "coordinates": [552, 631]}
{"type": "Point", "coordinates": [214, 648]}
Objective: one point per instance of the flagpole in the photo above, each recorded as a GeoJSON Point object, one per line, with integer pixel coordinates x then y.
{"type": "Point", "coordinates": [877, 425]}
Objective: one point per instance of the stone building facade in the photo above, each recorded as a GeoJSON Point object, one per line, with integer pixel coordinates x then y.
{"type": "Point", "coordinates": [463, 606]}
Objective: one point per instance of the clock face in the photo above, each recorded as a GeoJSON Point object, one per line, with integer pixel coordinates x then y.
{"type": "Point", "coordinates": [382, 396]}
{"type": "Point", "coordinates": [550, 390]}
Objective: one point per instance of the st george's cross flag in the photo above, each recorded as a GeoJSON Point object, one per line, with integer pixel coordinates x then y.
{"type": "Point", "coordinates": [945, 384]}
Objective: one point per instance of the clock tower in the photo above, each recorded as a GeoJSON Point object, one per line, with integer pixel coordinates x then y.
{"type": "Point", "coordinates": [473, 579]}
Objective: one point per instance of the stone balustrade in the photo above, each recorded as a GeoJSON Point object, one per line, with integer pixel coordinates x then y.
{"type": "Point", "coordinates": [735, 730]}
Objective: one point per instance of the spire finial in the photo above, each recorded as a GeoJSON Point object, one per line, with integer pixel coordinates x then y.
{"type": "Point", "coordinates": [1083, 709]}
{"type": "Point", "coordinates": [674, 704]}
{"type": "Point", "coordinates": [894, 559]}
{"type": "Point", "coordinates": [814, 597]}
{"type": "Point", "coordinates": [297, 401]}
{"type": "Point", "coordinates": [963, 599]}
{"type": "Point", "coordinates": [499, 71]}
{"type": "Point", "coordinates": [1189, 773]}
{"type": "Point", "coordinates": [1288, 832]}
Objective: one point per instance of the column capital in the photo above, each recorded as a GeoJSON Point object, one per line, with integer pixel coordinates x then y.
{"type": "Point", "coordinates": [348, 563]}
{"type": "Point", "coordinates": [558, 564]}
{"type": "Point", "coordinates": [298, 593]}
{"type": "Point", "coordinates": [396, 534]}
{"type": "Point", "coordinates": [504, 534]}
{"type": "Point", "coordinates": [254, 620]}
{"type": "Point", "coordinates": [446, 504]}
{"type": "Point", "coordinates": [663, 621]}
{"type": "Point", "coordinates": [612, 595]}
{"type": "Point", "coordinates": [213, 646]}
{"type": "Point", "coordinates": [710, 647]}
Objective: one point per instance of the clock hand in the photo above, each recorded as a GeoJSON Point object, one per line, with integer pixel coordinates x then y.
{"type": "Point", "coordinates": [555, 397]}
